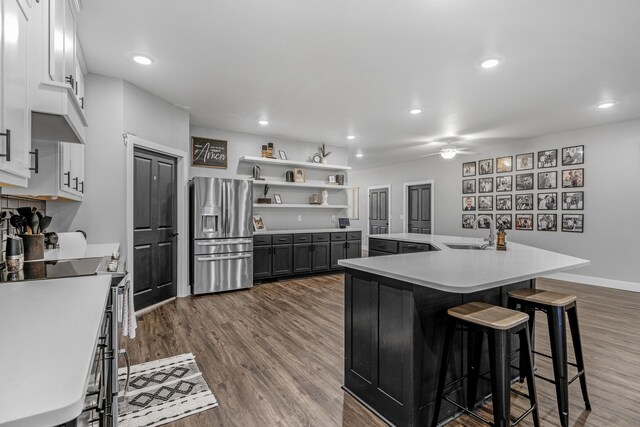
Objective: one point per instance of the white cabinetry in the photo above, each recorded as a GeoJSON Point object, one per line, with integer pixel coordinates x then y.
{"type": "Point", "coordinates": [15, 117]}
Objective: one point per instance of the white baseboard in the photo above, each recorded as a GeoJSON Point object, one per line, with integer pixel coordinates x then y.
{"type": "Point", "coordinates": [597, 281]}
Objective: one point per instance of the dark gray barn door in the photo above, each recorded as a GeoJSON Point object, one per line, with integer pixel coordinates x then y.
{"type": "Point", "coordinates": [154, 228]}
{"type": "Point", "coordinates": [419, 209]}
{"type": "Point", "coordinates": [379, 211]}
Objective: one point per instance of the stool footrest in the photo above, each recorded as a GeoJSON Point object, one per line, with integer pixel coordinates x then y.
{"type": "Point", "coordinates": [550, 357]}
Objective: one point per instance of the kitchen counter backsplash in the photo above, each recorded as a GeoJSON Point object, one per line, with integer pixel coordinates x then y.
{"type": "Point", "coordinates": [11, 203]}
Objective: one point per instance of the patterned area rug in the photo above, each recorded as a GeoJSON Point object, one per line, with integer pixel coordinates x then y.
{"type": "Point", "coordinates": [162, 391]}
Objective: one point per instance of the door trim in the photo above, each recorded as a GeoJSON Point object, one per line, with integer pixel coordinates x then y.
{"type": "Point", "coordinates": [406, 199]}
{"type": "Point", "coordinates": [379, 187]}
{"type": "Point", "coordinates": [182, 181]}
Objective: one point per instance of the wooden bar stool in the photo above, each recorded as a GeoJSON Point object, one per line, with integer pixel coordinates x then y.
{"type": "Point", "coordinates": [555, 305]}
{"type": "Point", "coordinates": [498, 323]}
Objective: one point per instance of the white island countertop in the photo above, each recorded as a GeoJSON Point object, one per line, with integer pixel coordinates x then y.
{"type": "Point", "coordinates": [48, 335]}
{"type": "Point", "coordinates": [463, 270]}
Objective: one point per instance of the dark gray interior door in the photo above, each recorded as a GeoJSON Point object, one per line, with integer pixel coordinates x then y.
{"type": "Point", "coordinates": [154, 228]}
{"type": "Point", "coordinates": [379, 211]}
{"type": "Point", "coordinates": [419, 209]}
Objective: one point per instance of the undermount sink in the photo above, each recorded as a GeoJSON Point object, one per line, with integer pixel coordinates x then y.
{"type": "Point", "coordinates": [467, 246]}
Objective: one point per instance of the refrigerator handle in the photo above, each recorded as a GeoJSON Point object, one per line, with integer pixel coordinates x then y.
{"type": "Point", "coordinates": [227, 184]}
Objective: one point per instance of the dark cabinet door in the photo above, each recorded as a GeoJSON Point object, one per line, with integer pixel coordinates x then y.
{"type": "Point", "coordinates": [378, 211]}
{"type": "Point", "coordinates": [261, 262]}
{"type": "Point", "coordinates": [321, 258]}
{"type": "Point", "coordinates": [302, 258]}
{"type": "Point", "coordinates": [419, 209]}
{"type": "Point", "coordinates": [282, 260]}
{"type": "Point", "coordinates": [354, 249]}
{"type": "Point", "coordinates": [408, 248]}
{"type": "Point", "coordinates": [338, 252]}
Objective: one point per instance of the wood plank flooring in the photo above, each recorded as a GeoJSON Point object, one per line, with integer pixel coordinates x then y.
{"type": "Point", "coordinates": [273, 355]}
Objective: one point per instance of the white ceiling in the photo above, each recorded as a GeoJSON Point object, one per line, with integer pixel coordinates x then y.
{"type": "Point", "coordinates": [320, 70]}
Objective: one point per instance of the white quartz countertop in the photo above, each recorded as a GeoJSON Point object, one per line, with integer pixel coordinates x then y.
{"type": "Point", "coordinates": [460, 270]}
{"type": "Point", "coordinates": [309, 230]}
{"type": "Point", "coordinates": [48, 333]}
{"type": "Point", "coordinates": [76, 252]}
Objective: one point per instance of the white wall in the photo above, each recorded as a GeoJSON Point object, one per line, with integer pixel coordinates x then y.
{"type": "Point", "coordinates": [243, 144]}
{"type": "Point", "coordinates": [612, 185]}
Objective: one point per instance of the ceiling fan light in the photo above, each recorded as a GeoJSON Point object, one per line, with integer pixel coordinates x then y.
{"type": "Point", "coordinates": [448, 153]}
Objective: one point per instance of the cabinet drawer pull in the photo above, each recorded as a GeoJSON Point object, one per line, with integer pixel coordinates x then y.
{"type": "Point", "coordinates": [7, 135]}
{"type": "Point", "coordinates": [36, 160]}
{"type": "Point", "coordinates": [82, 102]}
{"type": "Point", "coordinates": [69, 79]}
{"type": "Point", "coordinates": [81, 186]}
{"type": "Point", "coordinates": [75, 186]}
{"type": "Point", "coordinates": [68, 175]}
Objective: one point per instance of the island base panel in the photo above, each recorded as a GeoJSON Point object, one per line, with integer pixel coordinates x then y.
{"type": "Point", "coordinates": [394, 333]}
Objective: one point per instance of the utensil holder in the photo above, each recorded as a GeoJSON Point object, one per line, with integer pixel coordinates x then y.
{"type": "Point", "coordinates": [33, 247]}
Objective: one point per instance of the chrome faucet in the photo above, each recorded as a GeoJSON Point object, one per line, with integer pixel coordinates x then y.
{"type": "Point", "coordinates": [491, 240]}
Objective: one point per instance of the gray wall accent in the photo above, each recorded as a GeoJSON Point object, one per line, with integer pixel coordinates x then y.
{"type": "Point", "coordinates": [612, 186]}
{"type": "Point", "coordinates": [243, 144]}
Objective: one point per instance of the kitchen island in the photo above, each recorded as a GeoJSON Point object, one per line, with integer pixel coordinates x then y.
{"type": "Point", "coordinates": [395, 315]}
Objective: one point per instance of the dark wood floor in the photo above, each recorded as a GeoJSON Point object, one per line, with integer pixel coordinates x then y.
{"type": "Point", "coordinates": [273, 355]}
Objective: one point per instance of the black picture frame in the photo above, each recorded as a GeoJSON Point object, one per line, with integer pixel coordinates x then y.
{"type": "Point", "coordinates": [547, 201]}
{"type": "Point", "coordinates": [573, 200]}
{"type": "Point", "coordinates": [525, 162]}
{"type": "Point", "coordinates": [485, 167]}
{"type": "Point", "coordinates": [570, 182]}
{"type": "Point", "coordinates": [466, 207]}
{"type": "Point", "coordinates": [547, 222]}
{"type": "Point", "coordinates": [573, 155]}
{"type": "Point", "coordinates": [469, 186]}
{"type": "Point", "coordinates": [485, 185]}
{"type": "Point", "coordinates": [504, 183]}
{"type": "Point", "coordinates": [485, 203]}
{"type": "Point", "coordinates": [547, 180]}
{"type": "Point", "coordinates": [484, 224]}
{"type": "Point", "coordinates": [468, 221]}
{"type": "Point", "coordinates": [504, 202]}
{"type": "Point", "coordinates": [209, 153]}
{"type": "Point", "coordinates": [504, 164]}
{"type": "Point", "coordinates": [548, 159]}
{"type": "Point", "coordinates": [524, 202]}
{"type": "Point", "coordinates": [504, 220]}
{"type": "Point", "coordinates": [573, 223]}
{"type": "Point", "coordinates": [469, 169]}
{"type": "Point", "coordinates": [524, 182]}
{"type": "Point", "coordinates": [524, 222]}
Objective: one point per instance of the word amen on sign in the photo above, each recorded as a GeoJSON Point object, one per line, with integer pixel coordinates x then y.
{"type": "Point", "coordinates": [210, 153]}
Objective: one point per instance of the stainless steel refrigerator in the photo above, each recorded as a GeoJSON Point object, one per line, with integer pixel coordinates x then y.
{"type": "Point", "coordinates": [221, 234]}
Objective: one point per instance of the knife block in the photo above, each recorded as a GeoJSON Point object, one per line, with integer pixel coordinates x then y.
{"type": "Point", "coordinates": [33, 247]}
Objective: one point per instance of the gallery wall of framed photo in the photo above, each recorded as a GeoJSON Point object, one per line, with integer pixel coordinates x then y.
{"type": "Point", "coordinates": [539, 191]}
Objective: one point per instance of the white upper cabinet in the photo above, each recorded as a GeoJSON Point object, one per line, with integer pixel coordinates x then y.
{"type": "Point", "coordinates": [15, 117]}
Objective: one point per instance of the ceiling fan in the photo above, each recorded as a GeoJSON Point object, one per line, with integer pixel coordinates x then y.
{"type": "Point", "coordinates": [448, 151]}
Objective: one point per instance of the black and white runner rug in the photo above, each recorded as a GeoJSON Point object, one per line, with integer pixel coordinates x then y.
{"type": "Point", "coordinates": [162, 391]}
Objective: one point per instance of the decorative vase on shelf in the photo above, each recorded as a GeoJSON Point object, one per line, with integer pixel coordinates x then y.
{"type": "Point", "coordinates": [324, 160]}
{"type": "Point", "coordinates": [325, 197]}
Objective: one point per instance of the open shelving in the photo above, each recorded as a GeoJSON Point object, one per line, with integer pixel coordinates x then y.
{"type": "Point", "coordinates": [312, 184]}
{"type": "Point", "coordinates": [308, 165]}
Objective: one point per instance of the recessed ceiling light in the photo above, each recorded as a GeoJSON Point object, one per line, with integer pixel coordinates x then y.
{"type": "Point", "coordinates": [605, 105]}
{"type": "Point", "coordinates": [415, 111]}
{"type": "Point", "coordinates": [263, 122]}
{"type": "Point", "coordinates": [142, 59]}
{"type": "Point", "coordinates": [359, 154]}
{"type": "Point", "coordinates": [490, 62]}
{"type": "Point", "coordinates": [351, 137]}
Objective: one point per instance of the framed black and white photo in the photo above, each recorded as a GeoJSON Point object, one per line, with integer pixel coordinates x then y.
{"type": "Point", "coordinates": [504, 202]}
{"type": "Point", "coordinates": [547, 159]}
{"type": "Point", "coordinates": [468, 221]}
{"type": "Point", "coordinates": [573, 155]}
{"type": "Point", "coordinates": [504, 183]}
{"type": "Point", "coordinates": [282, 154]}
{"type": "Point", "coordinates": [485, 166]}
{"type": "Point", "coordinates": [469, 203]}
{"type": "Point", "coordinates": [484, 220]}
{"type": "Point", "coordinates": [485, 185]}
{"type": "Point", "coordinates": [524, 182]}
{"type": "Point", "coordinates": [485, 203]}
{"type": "Point", "coordinates": [547, 222]}
{"type": "Point", "coordinates": [547, 201]}
{"type": "Point", "coordinates": [469, 169]}
{"type": "Point", "coordinates": [468, 186]}
{"type": "Point", "coordinates": [547, 180]}
{"type": "Point", "coordinates": [524, 202]}
{"type": "Point", "coordinates": [573, 223]}
{"type": "Point", "coordinates": [258, 223]}
{"type": "Point", "coordinates": [504, 164]}
{"type": "Point", "coordinates": [572, 178]}
{"type": "Point", "coordinates": [277, 198]}
{"type": "Point", "coordinates": [524, 162]}
{"type": "Point", "coordinates": [524, 222]}
{"type": "Point", "coordinates": [573, 200]}
{"type": "Point", "coordinates": [504, 221]}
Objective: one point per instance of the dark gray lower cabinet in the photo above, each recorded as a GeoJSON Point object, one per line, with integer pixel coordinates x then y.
{"type": "Point", "coordinates": [321, 258]}
{"type": "Point", "coordinates": [338, 252]}
{"type": "Point", "coordinates": [354, 249]}
{"type": "Point", "coordinates": [282, 260]}
{"type": "Point", "coordinates": [261, 262]}
{"type": "Point", "coordinates": [302, 258]}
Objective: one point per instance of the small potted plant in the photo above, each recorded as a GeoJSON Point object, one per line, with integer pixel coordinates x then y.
{"type": "Point", "coordinates": [324, 153]}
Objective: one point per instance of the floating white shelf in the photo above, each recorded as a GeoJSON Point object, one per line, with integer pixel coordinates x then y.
{"type": "Point", "coordinates": [312, 184]}
{"type": "Point", "coordinates": [308, 165]}
{"type": "Point", "coordinates": [298, 206]}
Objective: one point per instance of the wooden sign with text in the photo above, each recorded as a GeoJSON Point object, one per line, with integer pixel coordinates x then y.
{"type": "Point", "coordinates": [208, 153]}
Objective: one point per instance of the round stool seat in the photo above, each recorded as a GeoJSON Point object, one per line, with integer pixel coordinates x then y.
{"type": "Point", "coordinates": [490, 316]}
{"type": "Point", "coordinates": [540, 296]}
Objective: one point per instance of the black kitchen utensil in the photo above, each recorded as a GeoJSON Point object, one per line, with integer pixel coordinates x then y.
{"type": "Point", "coordinates": [18, 222]}
{"type": "Point", "coordinates": [27, 211]}
{"type": "Point", "coordinates": [45, 221]}
{"type": "Point", "coordinates": [33, 222]}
